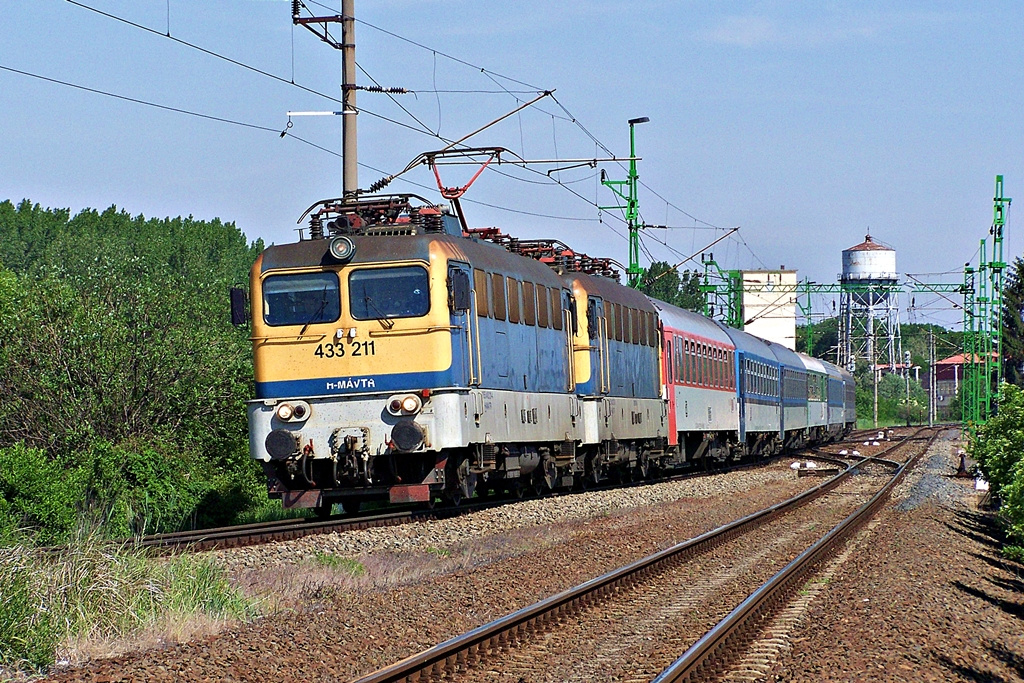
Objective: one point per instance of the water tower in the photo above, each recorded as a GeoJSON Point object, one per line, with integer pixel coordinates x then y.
{"type": "Point", "coordinates": [869, 323]}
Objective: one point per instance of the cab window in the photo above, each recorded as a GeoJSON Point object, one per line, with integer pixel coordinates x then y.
{"type": "Point", "coordinates": [401, 292]}
{"type": "Point", "coordinates": [301, 299]}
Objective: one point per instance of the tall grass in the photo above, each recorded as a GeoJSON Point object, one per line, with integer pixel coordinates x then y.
{"type": "Point", "coordinates": [91, 591]}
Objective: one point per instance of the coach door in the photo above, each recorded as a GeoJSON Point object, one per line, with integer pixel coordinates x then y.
{"type": "Point", "coordinates": [464, 322]}
{"type": "Point", "coordinates": [597, 331]}
{"type": "Point", "coordinates": [741, 379]}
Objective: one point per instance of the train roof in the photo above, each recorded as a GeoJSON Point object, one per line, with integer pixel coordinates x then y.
{"type": "Point", "coordinates": [785, 355]}
{"type": "Point", "coordinates": [611, 291]}
{"type": "Point", "coordinates": [688, 321]}
{"type": "Point", "coordinates": [377, 249]}
{"type": "Point", "coordinates": [746, 342]}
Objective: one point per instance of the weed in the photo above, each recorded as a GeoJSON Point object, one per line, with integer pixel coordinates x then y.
{"type": "Point", "coordinates": [348, 565]}
{"type": "Point", "coordinates": [93, 591]}
{"type": "Point", "coordinates": [440, 552]}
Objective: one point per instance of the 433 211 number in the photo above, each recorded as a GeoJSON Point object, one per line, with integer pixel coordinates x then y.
{"type": "Point", "coordinates": [339, 350]}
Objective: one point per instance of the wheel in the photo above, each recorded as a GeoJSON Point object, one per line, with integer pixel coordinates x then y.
{"type": "Point", "coordinates": [462, 485]}
{"type": "Point", "coordinates": [643, 467]}
{"type": "Point", "coordinates": [517, 490]}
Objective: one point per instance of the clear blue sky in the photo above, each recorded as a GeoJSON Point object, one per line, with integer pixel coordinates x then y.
{"type": "Point", "coordinates": [806, 123]}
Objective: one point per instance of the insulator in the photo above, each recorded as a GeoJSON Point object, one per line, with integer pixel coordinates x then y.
{"type": "Point", "coordinates": [380, 185]}
{"type": "Point", "coordinates": [382, 89]}
{"type": "Point", "coordinates": [316, 228]}
{"type": "Point", "coordinates": [296, 4]}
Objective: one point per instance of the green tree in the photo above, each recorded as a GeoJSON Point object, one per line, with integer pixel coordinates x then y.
{"type": "Point", "coordinates": [123, 381]}
{"type": "Point", "coordinates": [663, 282]}
{"type": "Point", "coordinates": [1013, 324]}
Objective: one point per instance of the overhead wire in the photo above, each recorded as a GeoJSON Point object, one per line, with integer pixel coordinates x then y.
{"type": "Point", "coordinates": [165, 107]}
{"type": "Point", "coordinates": [492, 75]}
{"type": "Point", "coordinates": [204, 50]}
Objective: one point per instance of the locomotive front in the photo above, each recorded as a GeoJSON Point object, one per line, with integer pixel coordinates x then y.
{"type": "Point", "coordinates": [353, 354]}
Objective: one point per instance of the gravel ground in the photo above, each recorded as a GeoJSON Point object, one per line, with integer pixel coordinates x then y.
{"type": "Point", "coordinates": [440, 579]}
{"type": "Point", "coordinates": [922, 595]}
{"type": "Point", "coordinates": [433, 536]}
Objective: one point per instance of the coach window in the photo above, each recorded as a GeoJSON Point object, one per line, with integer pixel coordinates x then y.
{"type": "Point", "coordinates": [677, 359]}
{"type": "Point", "coordinates": [529, 304]}
{"type": "Point", "coordinates": [480, 285]}
{"type": "Point", "coordinates": [669, 365]}
{"type": "Point", "coordinates": [301, 299]}
{"type": "Point", "coordinates": [401, 292]}
{"type": "Point", "coordinates": [498, 292]}
{"type": "Point", "coordinates": [542, 306]}
{"type": "Point", "coordinates": [691, 363]}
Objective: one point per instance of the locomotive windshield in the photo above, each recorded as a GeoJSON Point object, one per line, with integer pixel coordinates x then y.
{"type": "Point", "coordinates": [376, 293]}
{"type": "Point", "coordinates": [301, 299]}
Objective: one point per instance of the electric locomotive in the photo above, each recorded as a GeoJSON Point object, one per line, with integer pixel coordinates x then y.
{"type": "Point", "coordinates": [401, 356]}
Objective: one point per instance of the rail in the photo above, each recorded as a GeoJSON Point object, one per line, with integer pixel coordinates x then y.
{"type": "Point", "coordinates": [467, 649]}
{"type": "Point", "coordinates": [723, 643]}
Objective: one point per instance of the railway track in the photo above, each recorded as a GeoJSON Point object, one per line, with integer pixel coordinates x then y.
{"type": "Point", "coordinates": [289, 529]}
{"type": "Point", "coordinates": [625, 622]}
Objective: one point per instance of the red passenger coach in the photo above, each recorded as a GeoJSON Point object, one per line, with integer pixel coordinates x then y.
{"type": "Point", "coordinates": [699, 376]}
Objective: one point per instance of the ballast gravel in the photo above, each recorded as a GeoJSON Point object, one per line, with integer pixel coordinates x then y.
{"type": "Point", "coordinates": [438, 578]}
{"type": "Point", "coordinates": [434, 536]}
{"type": "Point", "coordinates": [922, 594]}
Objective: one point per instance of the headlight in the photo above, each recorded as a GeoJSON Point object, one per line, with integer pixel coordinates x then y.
{"type": "Point", "coordinates": [408, 404]}
{"type": "Point", "coordinates": [342, 248]}
{"type": "Point", "coordinates": [296, 411]}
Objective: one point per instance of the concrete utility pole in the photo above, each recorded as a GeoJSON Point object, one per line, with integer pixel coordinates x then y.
{"type": "Point", "coordinates": [349, 146]}
{"type": "Point", "coordinates": [906, 375]}
{"type": "Point", "coordinates": [319, 26]}
{"type": "Point", "coordinates": [931, 377]}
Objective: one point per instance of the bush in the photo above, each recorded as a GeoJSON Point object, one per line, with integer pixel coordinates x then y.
{"type": "Point", "coordinates": [124, 383]}
{"type": "Point", "coordinates": [998, 447]}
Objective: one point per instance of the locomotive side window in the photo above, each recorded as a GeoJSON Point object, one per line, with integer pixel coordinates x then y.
{"type": "Point", "coordinates": [401, 292]}
{"type": "Point", "coordinates": [542, 306]}
{"type": "Point", "coordinates": [301, 299]}
{"type": "Point", "coordinates": [529, 304]}
{"type": "Point", "coordinates": [480, 284]}
{"type": "Point", "coordinates": [513, 300]}
{"type": "Point", "coordinates": [498, 289]}
{"type": "Point", "coordinates": [556, 309]}
{"type": "Point", "coordinates": [634, 319]}
{"type": "Point", "coordinates": [618, 321]}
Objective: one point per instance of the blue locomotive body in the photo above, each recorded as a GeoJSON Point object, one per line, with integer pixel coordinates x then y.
{"type": "Point", "coordinates": [403, 356]}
